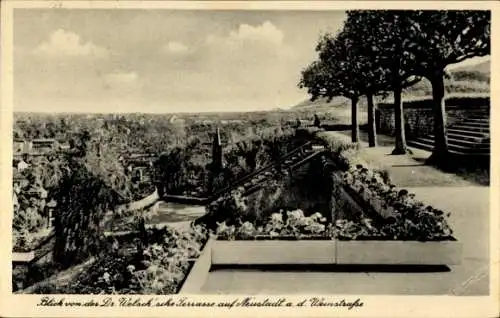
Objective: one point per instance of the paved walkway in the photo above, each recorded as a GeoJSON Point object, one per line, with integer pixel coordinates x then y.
{"type": "Point", "coordinates": [469, 207]}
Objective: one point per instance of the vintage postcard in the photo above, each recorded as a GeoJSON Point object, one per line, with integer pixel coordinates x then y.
{"type": "Point", "coordinates": [249, 158]}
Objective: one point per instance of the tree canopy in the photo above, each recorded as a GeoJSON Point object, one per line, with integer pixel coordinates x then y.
{"type": "Point", "coordinates": [389, 50]}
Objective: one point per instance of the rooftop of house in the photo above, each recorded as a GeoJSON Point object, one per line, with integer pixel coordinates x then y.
{"type": "Point", "coordinates": [44, 140]}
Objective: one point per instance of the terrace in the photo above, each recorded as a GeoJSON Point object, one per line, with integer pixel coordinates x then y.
{"type": "Point", "coordinates": [332, 265]}
{"type": "Point", "coordinates": [267, 270]}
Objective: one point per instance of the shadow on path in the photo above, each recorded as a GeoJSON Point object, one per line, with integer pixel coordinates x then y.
{"type": "Point", "coordinates": [412, 170]}
{"type": "Point", "coordinates": [336, 268]}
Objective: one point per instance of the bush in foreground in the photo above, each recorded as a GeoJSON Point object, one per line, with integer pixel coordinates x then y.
{"type": "Point", "coordinates": [156, 262]}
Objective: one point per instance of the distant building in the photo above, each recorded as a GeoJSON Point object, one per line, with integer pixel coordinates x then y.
{"type": "Point", "coordinates": [50, 206]}
{"type": "Point", "coordinates": [21, 146]}
{"type": "Point", "coordinates": [141, 173]}
{"type": "Point", "coordinates": [22, 165]}
{"type": "Point", "coordinates": [44, 145]}
{"type": "Point", "coordinates": [19, 179]}
{"type": "Point", "coordinates": [42, 193]}
{"type": "Point", "coordinates": [63, 145]}
{"type": "Point", "coordinates": [36, 146]}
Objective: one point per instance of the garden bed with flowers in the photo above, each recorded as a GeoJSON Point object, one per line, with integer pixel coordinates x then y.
{"type": "Point", "coordinates": [286, 238]}
{"type": "Point", "coordinates": [292, 238]}
{"type": "Point", "coordinates": [158, 261]}
{"type": "Point", "coordinates": [371, 223]}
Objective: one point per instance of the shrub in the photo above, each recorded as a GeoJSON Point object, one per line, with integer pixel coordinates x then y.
{"type": "Point", "coordinates": [410, 219]}
{"type": "Point", "coordinates": [337, 143]}
{"type": "Point", "coordinates": [158, 266]}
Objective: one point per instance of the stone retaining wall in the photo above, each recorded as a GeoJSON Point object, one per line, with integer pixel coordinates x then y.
{"type": "Point", "coordinates": [419, 119]}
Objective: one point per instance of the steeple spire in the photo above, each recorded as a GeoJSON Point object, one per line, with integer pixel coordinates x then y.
{"type": "Point", "coordinates": [217, 151]}
{"type": "Point", "coordinates": [217, 140]}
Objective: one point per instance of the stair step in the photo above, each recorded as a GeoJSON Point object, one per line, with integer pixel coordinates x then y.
{"type": "Point", "coordinates": [467, 149]}
{"type": "Point", "coordinates": [479, 116]}
{"type": "Point", "coordinates": [451, 148]}
{"type": "Point", "coordinates": [428, 144]}
{"type": "Point", "coordinates": [479, 110]}
{"type": "Point", "coordinates": [474, 124]}
{"type": "Point", "coordinates": [420, 145]}
{"type": "Point", "coordinates": [472, 128]}
{"type": "Point", "coordinates": [461, 142]}
{"type": "Point", "coordinates": [477, 139]}
{"type": "Point", "coordinates": [468, 133]}
{"type": "Point", "coordinates": [474, 154]}
{"type": "Point", "coordinates": [476, 119]}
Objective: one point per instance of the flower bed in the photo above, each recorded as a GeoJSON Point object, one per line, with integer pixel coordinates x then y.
{"type": "Point", "coordinates": [290, 225]}
{"type": "Point", "coordinates": [286, 238]}
{"type": "Point", "coordinates": [292, 238]}
{"type": "Point", "coordinates": [156, 262]}
{"type": "Point", "coordinates": [404, 217]}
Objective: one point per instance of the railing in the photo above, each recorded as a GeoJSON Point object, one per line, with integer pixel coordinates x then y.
{"type": "Point", "coordinates": [249, 176]}
{"type": "Point", "coordinates": [142, 203]}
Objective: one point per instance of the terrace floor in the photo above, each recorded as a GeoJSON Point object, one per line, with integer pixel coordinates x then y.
{"type": "Point", "coordinates": [410, 170]}
{"type": "Point", "coordinates": [468, 203]}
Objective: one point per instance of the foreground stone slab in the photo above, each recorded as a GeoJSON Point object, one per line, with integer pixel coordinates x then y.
{"type": "Point", "coordinates": [198, 274]}
{"type": "Point", "coordinates": [399, 253]}
{"type": "Point", "coordinates": [273, 252]}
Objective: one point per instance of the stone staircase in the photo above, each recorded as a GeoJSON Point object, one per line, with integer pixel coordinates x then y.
{"type": "Point", "coordinates": [469, 137]}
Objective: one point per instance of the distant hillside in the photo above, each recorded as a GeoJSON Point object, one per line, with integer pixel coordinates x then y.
{"type": "Point", "coordinates": [463, 80]}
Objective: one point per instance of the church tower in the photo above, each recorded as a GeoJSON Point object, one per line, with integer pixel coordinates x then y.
{"type": "Point", "coordinates": [217, 162]}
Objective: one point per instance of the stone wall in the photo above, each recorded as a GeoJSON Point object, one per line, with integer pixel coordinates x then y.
{"type": "Point", "coordinates": [419, 118]}
{"type": "Point", "coordinates": [305, 188]}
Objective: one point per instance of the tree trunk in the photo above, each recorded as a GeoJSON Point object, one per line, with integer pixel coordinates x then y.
{"type": "Point", "coordinates": [354, 117]}
{"type": "Point", "coordinates": [440, 152]}
{"type": "Point", "coordinates": [399, 123]}
{"type": "Point", "coordinates": [372, 129]}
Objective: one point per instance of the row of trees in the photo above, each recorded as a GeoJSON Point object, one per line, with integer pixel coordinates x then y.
{"type": "Point", "coordinates": [380, 51]}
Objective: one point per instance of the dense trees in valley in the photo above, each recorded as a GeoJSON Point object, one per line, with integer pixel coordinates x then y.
{"type": "Point", "coordinates": [92, 177]}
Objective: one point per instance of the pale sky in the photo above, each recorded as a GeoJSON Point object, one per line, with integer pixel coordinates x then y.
{"type": "Point", "coordinates": [163, 60]}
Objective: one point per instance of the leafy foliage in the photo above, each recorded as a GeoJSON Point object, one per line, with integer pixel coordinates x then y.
{"type": "Point", "coordinates": [158, 265]}
{"type": "Point", "coordinates": [177, 173]}
{"type": "Point", "coordinates": [381, 50]}
{"type": "Point", "coordinates": [410, 219]}
{"type": "Point", "coordinates": [449, 36]}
